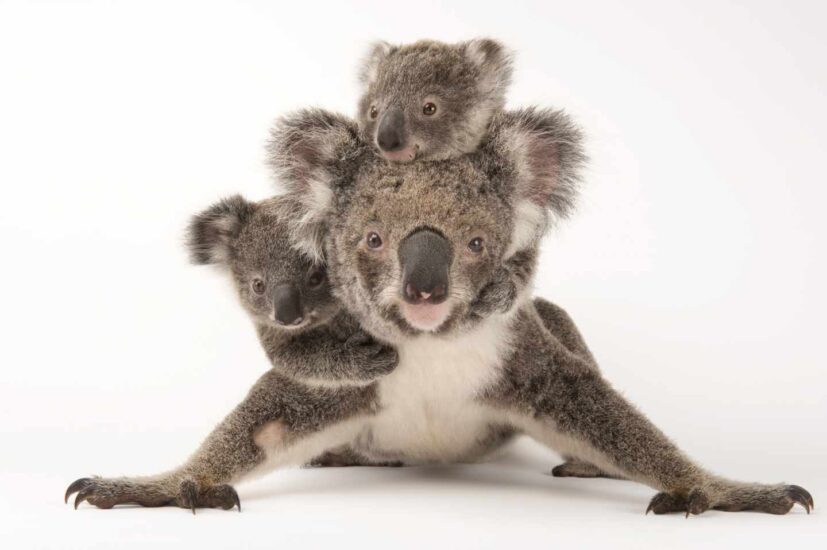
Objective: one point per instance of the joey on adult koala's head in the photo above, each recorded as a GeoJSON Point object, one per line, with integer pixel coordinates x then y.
{"type": "Point", "coordinates": [430, 100]}
{"type": "Point", "coordinates": [277, 285]}
{"type": "Point", "coordinates": [410, 246]}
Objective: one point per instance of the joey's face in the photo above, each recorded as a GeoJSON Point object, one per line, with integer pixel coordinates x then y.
{"type": "Point", "coordinates": [415, 244]}
{"type": "Point", "coordinates": [428, 101]}
{"type": "Point", "coordinates": [277, 285]}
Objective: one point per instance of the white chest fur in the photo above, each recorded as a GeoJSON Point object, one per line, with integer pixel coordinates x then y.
{"type": "Point", "coordinates": [429, 412]}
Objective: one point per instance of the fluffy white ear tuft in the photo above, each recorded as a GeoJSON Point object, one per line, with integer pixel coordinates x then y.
{"type": "Point", "coordinates": [311, 151]}
{"type": "Point", "coordinates": [544, 151]}
{"type": "Point", "coordinates": [369, 68]}
{"type": "Point", "coordinates": [211, 233]}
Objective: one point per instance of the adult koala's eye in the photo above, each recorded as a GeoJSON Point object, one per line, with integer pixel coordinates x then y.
{"type": "Point", "coordinates": [373, 112]}
{"type": "Point", "coordinates": [429, 109]}
{"type": "Point", "coordinates": [258, 286]}
{"type": "Point", "coordinates": [316, 278]}
{"type": "Point", "coordinates": [476, 245]}
{"type": "Point", "coordinates": [373, 240]}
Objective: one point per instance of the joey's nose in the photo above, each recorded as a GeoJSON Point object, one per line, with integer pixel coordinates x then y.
{"type": "Point", "coordinates": [288, 305]}
{"type": "Point", "coordinates": [390, 135]}
{"type": "Point", "coordinates": [426, 257]}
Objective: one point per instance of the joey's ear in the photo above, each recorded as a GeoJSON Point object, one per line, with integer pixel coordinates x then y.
{"type": "Point", "coordinates": [211, 233]}
{"type": "Point", "coordinates": [369, 68]}
{"type": "Point", "coordinates": [495, 63]}
{"type": "Point", "coordinates": [312, 151]}
{"type": "Point", "coordinates": [543, 149]}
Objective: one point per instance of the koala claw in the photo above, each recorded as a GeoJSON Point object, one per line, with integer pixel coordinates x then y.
{"type": "Point", "coordinates": [76, 486]}
{"type": "Point", "coordinates": [778, 499]}
{"type": "Point", "coordinates": [800, 495]}
{"type": "Point", "coordinates": [106, 493]}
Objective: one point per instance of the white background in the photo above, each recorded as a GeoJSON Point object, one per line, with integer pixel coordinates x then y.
{"type": "Point", "coordinates": [695, 265]}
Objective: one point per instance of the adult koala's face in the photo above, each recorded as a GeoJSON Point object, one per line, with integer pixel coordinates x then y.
{"type": "Point", "coordinates": [410, 246]}
{"type": "Point", "coordinates": [415, 244]}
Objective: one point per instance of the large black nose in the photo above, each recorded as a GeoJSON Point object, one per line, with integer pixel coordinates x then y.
{"type": "Point", "coordinates": [287, 302]}
{"type": "Point", "coordinates": [391, 133]}
{"type": "Point", "coordinates": [426, 257]}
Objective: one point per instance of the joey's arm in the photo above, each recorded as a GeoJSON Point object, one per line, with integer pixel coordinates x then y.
{"type": "Point", "coordinates": [336, 351]}
{"type": "Point", "coordinates": [280, 422]}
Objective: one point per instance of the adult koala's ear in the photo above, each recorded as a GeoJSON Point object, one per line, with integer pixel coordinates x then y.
{"type": "Point", "coordinates": [311, 152]}
{"type": "Point", "coordinates": [544, 150]}
{"type": "Point", "coordinates": [369, 67]}
{"type": "Point", "coordinates": [211, 233]}
{"type": "Point", "coordinates": [495, 65]}
{"type": "Point", "coordinates": [538, 153]}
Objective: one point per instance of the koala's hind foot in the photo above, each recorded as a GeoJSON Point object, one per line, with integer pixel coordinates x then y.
{"type": "Point", "coordinates": [578, 468]}
{"type": "Point", "coordinates": [772, 499]}
{"type": "Point", "coordinates": [108, 492]}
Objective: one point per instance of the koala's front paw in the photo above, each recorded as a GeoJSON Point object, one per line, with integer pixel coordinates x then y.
{"type": "Point", "coordinates": [372, 357]}
{"type": "Point", "coordinates": [106, 493]}
{"type": "Point", "coordinates": [498, 296]}
{"type": "Point", "coordinates": [772, 499]}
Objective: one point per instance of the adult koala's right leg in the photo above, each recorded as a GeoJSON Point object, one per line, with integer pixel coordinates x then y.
{"type": "Point", "coordinates": [560, 324]}
{"type": "Point", "coordinates": [280, 422]}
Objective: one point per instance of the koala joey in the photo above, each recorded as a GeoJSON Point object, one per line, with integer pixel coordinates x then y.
{"type": "Point", "coordinates": [302, 327]}
{"type": "Point", "coordinates": [430, 100]}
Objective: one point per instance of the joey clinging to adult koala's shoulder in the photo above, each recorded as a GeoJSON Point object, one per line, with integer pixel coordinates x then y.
{"type": "Point", "coordinates": [303, 328]}
{"type": "Point", "coordinates": [430, 100]}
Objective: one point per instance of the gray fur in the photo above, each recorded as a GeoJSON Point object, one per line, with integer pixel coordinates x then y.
{"type": "Point", "coordinates": [538, 385]}
{"type": "Point", "coordinates": [251, 240]}
{"type": "Point", "coordinates": [466, 81]}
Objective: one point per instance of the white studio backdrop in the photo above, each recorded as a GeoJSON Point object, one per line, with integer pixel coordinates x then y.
{"type": "Point", "coordinates": [694, 266]}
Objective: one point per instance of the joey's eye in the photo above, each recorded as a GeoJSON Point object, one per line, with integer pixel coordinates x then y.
{"type": "Point", "coordinates": [475, 245]}
{"type": "Point", "coordinates": [373, 240]}
{"type": "Point", "coordinates": [316, 278]}
{"type": "Point", "coordinates": [258, 286]}
{"type": "Point", "coordinates": [373, 112]}
{"type": "Point", "coordinates": [429, 109]}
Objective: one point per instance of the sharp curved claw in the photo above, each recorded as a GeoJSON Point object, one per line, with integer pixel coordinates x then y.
{"type": "Point", "coordinates": [76, 485]}
{"type": "Point", "coordinates": [801, 496]}
{"type": "Point", "coordinates": [83, 494]}
{"type": "Point", "coordinates": [648, 508]}
{"type": "Point", "coordinates": [237, 500]}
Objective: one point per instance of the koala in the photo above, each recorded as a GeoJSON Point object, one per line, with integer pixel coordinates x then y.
{"type": "Point", "coordinates": [430, 100]}
{"type": "Point", "coordinates": [409, 247]}
{"type": "Point", "coordinates": [302, 327]}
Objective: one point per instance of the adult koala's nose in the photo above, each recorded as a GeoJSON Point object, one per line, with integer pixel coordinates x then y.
{"type": "Point", "coordinates": [425, 257]}
{"type": "Point", "coordinates": [390, 135]}
{"type": "Point", "coordinates": [287, 303]}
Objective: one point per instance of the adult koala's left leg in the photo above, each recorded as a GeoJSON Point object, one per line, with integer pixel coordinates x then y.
{"type": "Point", "coordinates": [564, 402]}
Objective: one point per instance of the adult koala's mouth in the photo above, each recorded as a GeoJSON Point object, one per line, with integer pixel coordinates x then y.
{"type": "Point", "coordinates": [426, 317]}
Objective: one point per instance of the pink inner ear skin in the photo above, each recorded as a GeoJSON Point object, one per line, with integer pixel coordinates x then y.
{"type": "Point", "coordinates": [544, 168]}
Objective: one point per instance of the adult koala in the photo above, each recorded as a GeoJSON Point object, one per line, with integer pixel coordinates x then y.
{"type": "Point", "coordinates": [409, 248]}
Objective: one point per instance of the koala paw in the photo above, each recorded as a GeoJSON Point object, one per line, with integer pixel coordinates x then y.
{"type": "Point", "coordinates": [497, 296]}
{"type": "Point", "coordinates": [372, 357]}
{"type": "Point", "coordinates": [106, 493]}
{"type": "Point", "coordinates": [771, 499]}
